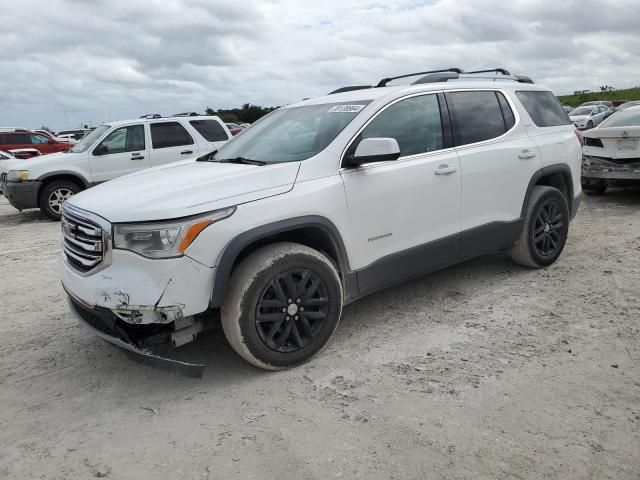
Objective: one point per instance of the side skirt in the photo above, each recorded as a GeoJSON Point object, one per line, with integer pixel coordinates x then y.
{"type": "Point", "coordinates": [423, 259]}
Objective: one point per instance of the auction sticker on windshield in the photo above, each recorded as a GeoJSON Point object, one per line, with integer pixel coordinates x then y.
{"type": "Point", "coordinates": [346, 108]}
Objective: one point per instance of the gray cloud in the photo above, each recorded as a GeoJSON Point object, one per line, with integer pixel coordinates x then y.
{"type": "Point", "coordinates": [113, 59]}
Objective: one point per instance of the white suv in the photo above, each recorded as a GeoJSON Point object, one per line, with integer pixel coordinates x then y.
{"type": "Point", "coordinates": [318, 204]}
{"type": "Point", "coordinates": [110, 151]}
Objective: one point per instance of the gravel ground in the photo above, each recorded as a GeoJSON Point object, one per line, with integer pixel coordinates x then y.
{"type": "Point", "coordinates": [484, 370]}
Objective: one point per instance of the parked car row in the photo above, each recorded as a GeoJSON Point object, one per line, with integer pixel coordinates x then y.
{"type": "Point", "coordinates": [109, 151]}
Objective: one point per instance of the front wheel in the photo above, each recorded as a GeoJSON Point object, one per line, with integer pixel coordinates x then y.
{"type": "Point", "coordinates": [54, 194]}
{"type": "Point", "coordinates": [545, 229]}
{"type": "Point", "coordinates": [282, 306]}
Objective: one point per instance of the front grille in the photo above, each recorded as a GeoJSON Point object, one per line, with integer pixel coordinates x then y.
{"type": "Point", "coordinates": [82, 242]}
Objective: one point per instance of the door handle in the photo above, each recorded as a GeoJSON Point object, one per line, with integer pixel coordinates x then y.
{"type": "Point", "coordinates": [136, 156]}
{"type": "Point", "coordinates": [526, 155]}
{"type": "Point", "coordinates": [445, 170]}
{"type": "Point", "coordinates": [186, 152]}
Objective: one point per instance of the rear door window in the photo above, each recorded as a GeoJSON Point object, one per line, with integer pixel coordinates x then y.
{"type": "Point", "coordinates": [477, 116]}
{"type": "Point", "coordinates": [169, 134]}
{"type": "Point", "coordinates": [544, 108]}
{"type": "Point", "coordinates": [211, 130]}
{"type": "Point", "coordinates": [18, 139]}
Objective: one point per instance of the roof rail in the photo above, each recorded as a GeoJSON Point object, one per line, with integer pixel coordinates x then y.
{"type": "Point", "coordinates": [186, 114]}
{"type": "Point", "coordinates": [497, 70]}
{"type": "Point", "coordinates": [443, 75]}
{"type": "Point", "coordinates": [384, 81]}
{"type": "Point", "coordinates": [151, 115]}
{"type": "Point", "coordinates": [350, 89]}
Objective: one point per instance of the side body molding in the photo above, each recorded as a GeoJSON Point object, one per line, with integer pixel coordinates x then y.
{"type": "Point", "coordinates": [239, 243]}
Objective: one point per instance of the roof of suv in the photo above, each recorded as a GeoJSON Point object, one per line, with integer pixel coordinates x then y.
{"type": "Point", "coordinates": [161, 119]}
{"type": "Point", "coordinates": [368, 94]}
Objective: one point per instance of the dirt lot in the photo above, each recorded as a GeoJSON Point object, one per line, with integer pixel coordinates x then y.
{"type": "Point", "coordinates": [485, 370]}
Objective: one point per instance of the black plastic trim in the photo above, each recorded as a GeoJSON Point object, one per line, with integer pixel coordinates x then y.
{"type": "Point", "coordinates": [235, 247]}
{"type": "Point", "coordinates": [407, 264]}
{"type": "Point", "coordinates": [488, 238]}
{"type": "Point", "coordinates": [23, 194]}
{"type": "Point", "coordinates": [543, 172]}
{"type": "Point", "coordinates": [65, 173]}
{"type": "Point", "coordinates": [445, 121]}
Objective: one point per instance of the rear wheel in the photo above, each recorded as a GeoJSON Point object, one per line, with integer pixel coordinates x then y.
{"type": "Point", "coordinates": [545, 229]}
{"type": "Point", "coordinates": [54, 194]}
{"type": "Point", "coordinates": [283, 304]}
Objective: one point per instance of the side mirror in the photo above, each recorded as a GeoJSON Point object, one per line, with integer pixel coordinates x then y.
{"type": "Point", "coordinates": [371, 150]}
{"type": "Point", "coordinates": [101, 150]}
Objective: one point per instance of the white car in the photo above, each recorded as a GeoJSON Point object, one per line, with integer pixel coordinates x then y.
{"type": "Point", "coordinates": [110, 151]}
{"type": "Point", "coordinates": [318, 204]}
{"type": "Point", "coordinates": [585, 118]}
{"type": "Point", "coordinates": [611, 153]}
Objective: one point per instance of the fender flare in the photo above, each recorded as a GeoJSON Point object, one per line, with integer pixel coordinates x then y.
{"type": "Point", "coordinates": [543, 172]}
{"type": "Point", "coordinates": [65, 173]}
{"type": "Point", "coordinates": [234, 248]}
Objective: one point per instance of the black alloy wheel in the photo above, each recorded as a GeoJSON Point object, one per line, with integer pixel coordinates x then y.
{"type": "Point", "coordinates": [549, 227]}
{"type": "Point", "coordinates": [292, 310]}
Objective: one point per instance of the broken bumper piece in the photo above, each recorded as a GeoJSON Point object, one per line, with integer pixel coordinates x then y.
{"type": "Point", "coordinates": [139, 341]}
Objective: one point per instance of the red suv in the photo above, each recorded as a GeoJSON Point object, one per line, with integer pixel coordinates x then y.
{"type": "Point", "coordinates": [17, 138]}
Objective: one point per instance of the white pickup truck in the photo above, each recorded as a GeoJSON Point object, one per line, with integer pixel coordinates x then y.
{"type": "Point", "coordinates": [110, 151]}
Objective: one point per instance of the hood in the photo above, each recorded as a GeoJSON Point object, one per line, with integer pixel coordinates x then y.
{"type": "Point", "coordinates": [25, 164]}
{"type": "Point", "coordinates": [184, 188]}
{"type": "Point", "coordinates": [577, 118]}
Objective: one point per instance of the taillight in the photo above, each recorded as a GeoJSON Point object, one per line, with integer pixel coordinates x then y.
{"type": "Point", "coordinates": [580, 136]}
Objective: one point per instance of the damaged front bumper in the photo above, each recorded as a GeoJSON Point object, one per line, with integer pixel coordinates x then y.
{"type": "Point", "coordinates": [146, 307]}
{"type": "Point", "coordinates": [602, 168]}
{"type": "Point", "coordinates": [143, 343]}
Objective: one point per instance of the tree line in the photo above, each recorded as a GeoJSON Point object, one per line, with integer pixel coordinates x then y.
{"type": "Point", "coordinates": [247, 113]}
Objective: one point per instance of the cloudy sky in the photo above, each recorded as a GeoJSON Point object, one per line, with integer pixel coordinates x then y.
{"type": "Point", "coordinates": [69, 62]}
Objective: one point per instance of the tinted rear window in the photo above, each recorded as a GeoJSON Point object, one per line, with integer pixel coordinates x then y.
{"type": "Point", "coordinates": [478, 116]}
{"type": "Point", "coordinates": [211, 130]}
{"type": "Point", "coordinates": [169, 134]}
{"type": "Point", "coordinates": [544, 109]}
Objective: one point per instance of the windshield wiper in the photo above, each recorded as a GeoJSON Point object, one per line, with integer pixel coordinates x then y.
{"type": "Point", "coordinates": [245, 161]}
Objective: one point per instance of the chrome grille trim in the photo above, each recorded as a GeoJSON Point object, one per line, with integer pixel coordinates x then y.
{"type": "Point", "coordinates": [86, 240]}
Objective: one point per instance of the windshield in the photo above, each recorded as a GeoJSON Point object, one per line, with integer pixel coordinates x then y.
{"type": "Point", "coordinates": [85, 142]}
{"type": "Point", "coordinates": [626, 118]}
{"type": "Point", "coordinates": [582, 111]}
{"type": "Point", "coordinates": [291, 134]}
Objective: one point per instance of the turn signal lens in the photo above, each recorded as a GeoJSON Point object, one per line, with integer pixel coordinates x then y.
{"type": "Point", "coordinates": [191, 234]}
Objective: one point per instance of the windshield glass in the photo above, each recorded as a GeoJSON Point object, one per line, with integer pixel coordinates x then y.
{"type": "Point", "coordinates": [85, 142]}
{"type": "Point", "coordinates": [291, 134]}
{"type": "Point", "coordinates": [582, 111]}
{"type": "Point", "coordinates": [626, 118]}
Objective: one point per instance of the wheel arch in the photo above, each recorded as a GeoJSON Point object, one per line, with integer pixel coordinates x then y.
{"type": "Point", "coordinates": [313, 231]}
{"type": "Point", "coordinates": [64, 175]}
{"type": "Point", "coordinates": [558, 176]}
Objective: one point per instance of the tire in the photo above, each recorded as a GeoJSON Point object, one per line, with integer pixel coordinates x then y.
{"type": "Point", "coordinates": [53, 194]}
{"type": "Point", "coordinates": [589, 125]}
{"type": "Point", "coordinates": [545, 202]}
{"type": "Point", "coordinates": [261, 318]}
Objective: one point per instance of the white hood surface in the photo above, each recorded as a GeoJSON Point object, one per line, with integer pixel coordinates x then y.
{"type": "Point", "coordinates": [185, 188]}
{"type": "Point", "coordinates": [35, 162]}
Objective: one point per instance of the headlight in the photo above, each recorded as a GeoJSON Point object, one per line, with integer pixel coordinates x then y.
{"type": "Point", "coordinates": [17, 175]}
{"type": "Point", "coordinates": [167, 239]}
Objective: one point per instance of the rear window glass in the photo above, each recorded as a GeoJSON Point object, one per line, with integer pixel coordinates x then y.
{"type": "Point", "coordinates": [544, 109]}
{"type": "Point", "coordinates": [169, 134]}
{"type": "Point", "coordinates": [211, 130]}
{"type": "Point", "coordinates": [478, 116]}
